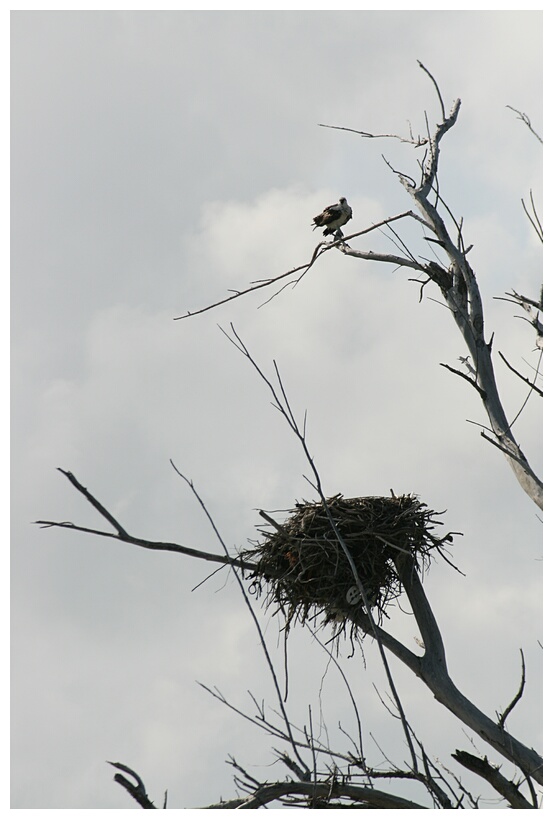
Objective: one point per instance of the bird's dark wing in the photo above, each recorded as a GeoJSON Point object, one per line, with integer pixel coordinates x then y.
{"type": "Point", "coordinates": [328, 215]}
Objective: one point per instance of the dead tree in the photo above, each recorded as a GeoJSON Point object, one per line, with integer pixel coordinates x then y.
{"type": "Point", "coordinates": [342, 560]}
{"type": "Point", "coordinates": [454, 277]}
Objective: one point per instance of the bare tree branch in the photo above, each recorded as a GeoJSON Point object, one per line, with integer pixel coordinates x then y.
{"type": "Point", "coordinates": [137, 791]}
{"type": "Point", "coordinates": [412, 141]}
{"type": "Point", "coordinates": [95, 503]}
{"type": "Point", "coordinates": [124, 537]}
{"type": "Point", "coordinates": [436, 87]}
{"type": "Point", "coordinates": [496, 779]}
{"type": "Point", "coordinates": [256, 622]}
{"type": "Point", "coordinates": [322, 792]}
{"type": "Point", "coordinates": [518, 695]}
{"type": "Point", "coordinates": [321, 248]}
{"type": "Point", "coordinates": [283, 406]}
{"type": "Point", "coordinates": [527, 304]}
{"type": "Point", "coordinates": [462, 295]}
{"type": "Point", "coordinates": [470, 380]}
{"type": "Point", "coordinates": [526, 120]}
{"type": "Point", "coordinates": [431, 667]}
{"type": "Point", "coordinates": [531, 384]}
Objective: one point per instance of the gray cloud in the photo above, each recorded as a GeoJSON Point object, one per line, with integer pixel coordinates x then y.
{"type": "Point", "coordinates": [159, 160]}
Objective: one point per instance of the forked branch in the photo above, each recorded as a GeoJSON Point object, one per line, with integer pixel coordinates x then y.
{"type": "Point", "coordinates": [122, 535]}
{"type": "Point", "coordinates": [461, 293]}
{"type": "Point", "coordinates": [302, 269]}
{"type": "Point", "coordinates": [431, 668]}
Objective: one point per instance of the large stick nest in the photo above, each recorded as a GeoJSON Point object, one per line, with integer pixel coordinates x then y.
{"type": "Point", "coordinates": [304, 565]}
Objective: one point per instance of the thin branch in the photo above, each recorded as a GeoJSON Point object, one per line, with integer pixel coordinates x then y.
{"type": "Point", "coordinates": [518, 695]}
{"type": "Point", "coordinates": [317, 253]}
{"type": "Point", "coordinates": [500, 445]}
{"type": "Point", "coordinates": [283, 406]}
{"type": "Point", "coordinates": [366, 796]}
{"type": "Point", "coordinates": [388, 258]}
{"type": "Point", "coordinates": [531, 384]}
{"type": "Point", "coordinates": [491, 774]}
{"type": "Point", "coordinates": [95, 503]}
{"type": "Point", "coordinates": [291, 765]}
{"type": "Point", "coordinates": [521, 301]}
{"type": "Point", "coordinates": [155, 545]}
{"type": "Point", "coordinates": [123, 536]}
{"type": "Point", "coordinates": [471, 381]}
{"type": "Point", "coordinates": [260, 721]}
{"type": "Point", "coordinates": [535, 213]}
{"type": "Point", "coordinates": [439, 795]}
{"type": "Point", "coordinates": [398, 242]}
{"type": "Point", "coordinates": [533, 218]}
{"type": "Point", "coordinates": [438, 92]}
{"type": "Point", "coordinates": [416, 142]}
{"type": "Point", "coordinates": [236, 294]}
{"type": "Point", "coordinates": [253, 615]}
{"type": "Point", "coordinates": [137, 791]}
{"type": "Point", "coordinates": [359, 747]}
{"type": "Point", "coordinates": [403, 177]}
{"type": "Point", "coordinates": [526, 120]}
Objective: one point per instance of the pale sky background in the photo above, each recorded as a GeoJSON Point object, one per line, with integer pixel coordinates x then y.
{"type": "Point", "coordinates": [159, 160]}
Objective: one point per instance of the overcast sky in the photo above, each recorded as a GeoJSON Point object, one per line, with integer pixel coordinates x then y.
{"type": "Point", "coordinates": [159, 160]}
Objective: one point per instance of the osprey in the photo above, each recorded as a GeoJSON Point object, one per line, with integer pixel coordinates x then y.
{"type": "Point", "coordinates": [333, 217]}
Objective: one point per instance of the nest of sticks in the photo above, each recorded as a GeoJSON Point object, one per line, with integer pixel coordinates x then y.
{"type": "Point", "coordinates": [304, 565]}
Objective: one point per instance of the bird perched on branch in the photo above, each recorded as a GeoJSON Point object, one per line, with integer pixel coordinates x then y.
{"type": "Point", "coordinates": [333, 218]}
